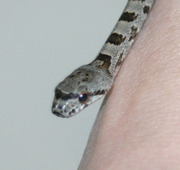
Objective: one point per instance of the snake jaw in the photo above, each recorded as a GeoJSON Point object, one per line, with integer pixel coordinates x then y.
{"type": "Point", "coordinates": [66, 109]}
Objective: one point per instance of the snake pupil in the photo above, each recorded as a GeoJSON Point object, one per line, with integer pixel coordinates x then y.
{"type": "Point", "coordinates": [83, 97]}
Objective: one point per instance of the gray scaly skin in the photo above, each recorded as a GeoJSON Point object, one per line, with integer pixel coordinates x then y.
{"type": "Point", "coordinates": [90, 82]}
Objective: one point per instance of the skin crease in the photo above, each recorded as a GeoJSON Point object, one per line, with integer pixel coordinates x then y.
{"type": "Point", "coordinates": [139, 126]}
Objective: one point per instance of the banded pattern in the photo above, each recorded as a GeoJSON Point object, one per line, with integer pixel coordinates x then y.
{"type": "Point", "coordinates": [123, 35]}
{"type": "Point", "coordinates": [90, 82]}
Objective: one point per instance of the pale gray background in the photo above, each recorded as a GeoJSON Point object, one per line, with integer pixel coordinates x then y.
{"type": "Point", "coordinates": [41, 42]}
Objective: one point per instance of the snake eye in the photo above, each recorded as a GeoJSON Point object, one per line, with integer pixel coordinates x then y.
{"type": "Point", "coordinates": [84, 97]}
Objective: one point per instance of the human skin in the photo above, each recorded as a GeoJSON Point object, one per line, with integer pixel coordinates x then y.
{"type": "Point", "coordinates": [138, 128]}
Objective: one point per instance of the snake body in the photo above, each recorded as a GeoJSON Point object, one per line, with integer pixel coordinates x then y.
{"type": "Point", "coordinates": [90, 82]}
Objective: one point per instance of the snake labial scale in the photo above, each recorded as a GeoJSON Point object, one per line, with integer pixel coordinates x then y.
{"type": "Point", "coordinates": [90, 82]}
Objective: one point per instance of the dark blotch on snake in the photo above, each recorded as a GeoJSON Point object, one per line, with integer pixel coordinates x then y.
{"type": "Point", "coordinates": [100, 92]}
{"type": "Point", "coordinates": [115, 39]}
{"type": "Point", "coordinates": [128, 16]}
{"type": "Point", "coordinates": [106, 59]}
{"type": "Point", "coordinates": [119, 60]}
{"type": "Point", "coordinates": [59, 94]}
{"type": "Point", "coordinates": [85, 79]}
{"type": "Point", "coordinates": [97, 92]}
{"type": "Point", "coordinates": [146, 9]}
{"type": "Point", "coordinates": [133, 33]}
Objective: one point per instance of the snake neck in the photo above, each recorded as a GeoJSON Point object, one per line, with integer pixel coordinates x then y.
{"type": "Point", "coordinates": [123, 36]}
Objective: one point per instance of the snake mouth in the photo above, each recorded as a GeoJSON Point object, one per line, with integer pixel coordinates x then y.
{"type": "Point", "coordinates": [58, 114]}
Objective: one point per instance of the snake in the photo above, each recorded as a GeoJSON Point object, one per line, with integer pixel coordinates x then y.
{"type": "Point", "coordinates": [92, 81]}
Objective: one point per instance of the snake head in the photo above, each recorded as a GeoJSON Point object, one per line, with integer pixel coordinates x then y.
{"type": "Point", "coordinates": [80, 89]}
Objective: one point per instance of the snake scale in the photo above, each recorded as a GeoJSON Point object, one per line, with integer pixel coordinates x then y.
{"type": "Point", "coordinates": [90, 82]}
